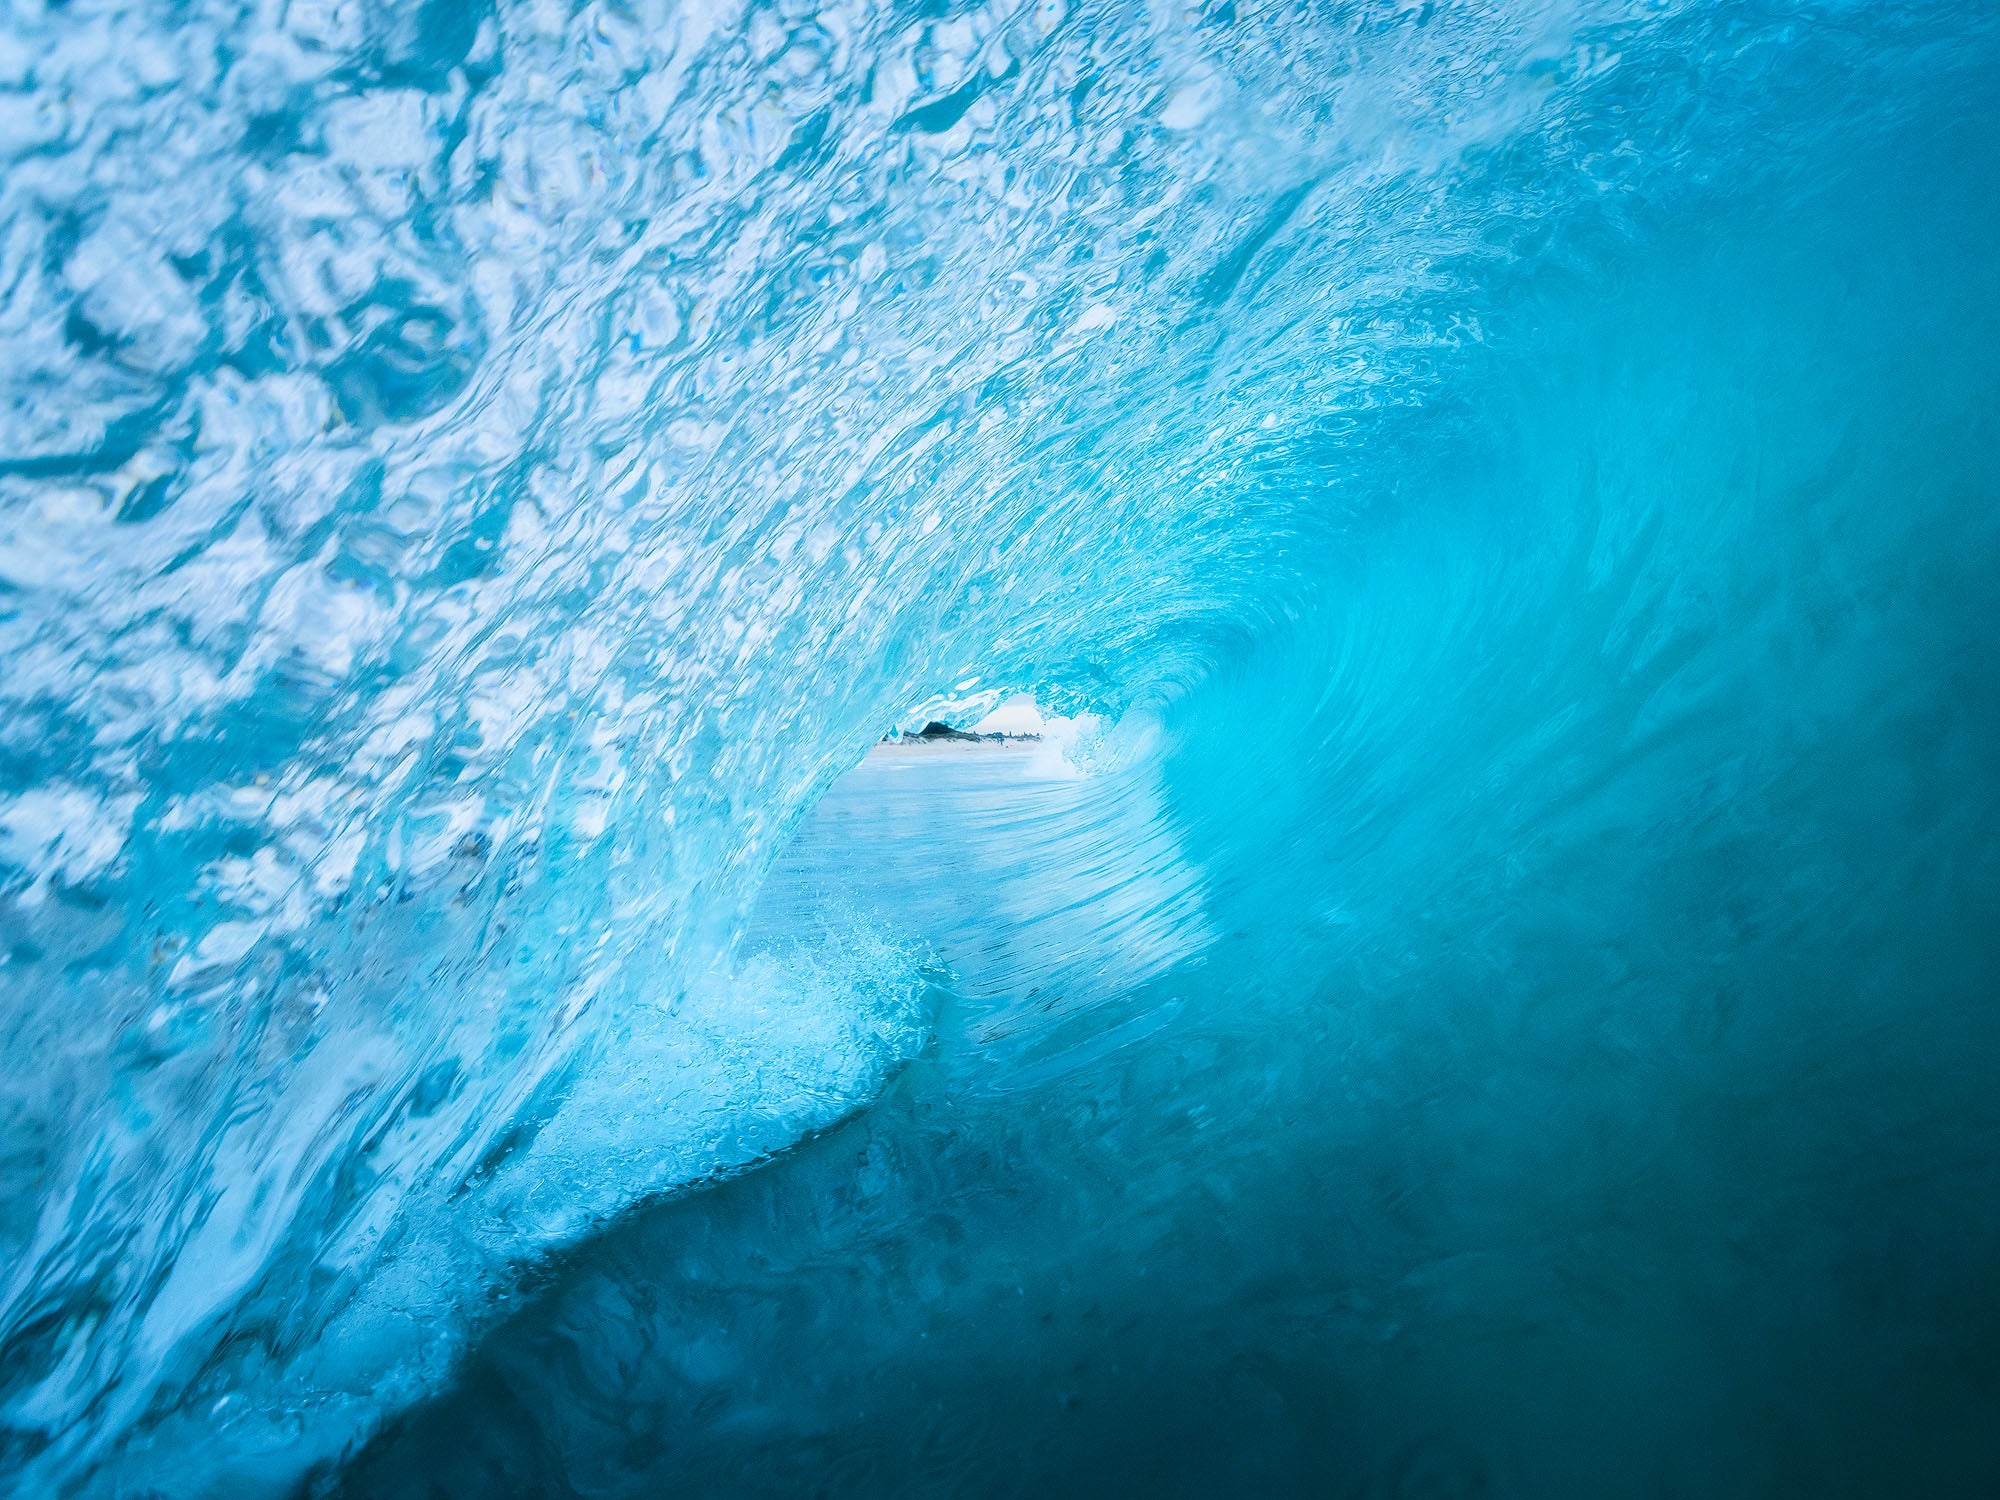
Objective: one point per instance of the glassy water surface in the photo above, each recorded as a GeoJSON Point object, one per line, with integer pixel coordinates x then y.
{"type": "Point", "coordinates": [1486, 988]}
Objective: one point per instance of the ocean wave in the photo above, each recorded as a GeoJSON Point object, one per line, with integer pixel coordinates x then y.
{"type": "Point", "coordinates": [473, 477]}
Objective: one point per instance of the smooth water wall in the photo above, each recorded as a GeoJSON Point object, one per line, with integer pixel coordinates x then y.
{"type": "Point", "coordinates": [1504, 1007]}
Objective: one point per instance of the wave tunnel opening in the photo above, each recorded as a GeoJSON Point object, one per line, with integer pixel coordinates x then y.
{"type": "Point", "coordinates": [1422, 924]}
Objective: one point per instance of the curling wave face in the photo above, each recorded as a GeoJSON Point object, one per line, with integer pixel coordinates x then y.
{"type": "Point", "coordinates": [471, 478]}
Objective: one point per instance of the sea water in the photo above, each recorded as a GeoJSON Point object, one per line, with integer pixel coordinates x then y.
{"type": "Point", "coordinates": [1486, 987]}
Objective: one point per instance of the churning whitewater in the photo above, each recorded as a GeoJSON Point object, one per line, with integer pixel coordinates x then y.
{"type": "Point", "coordinates": [1483, 984]}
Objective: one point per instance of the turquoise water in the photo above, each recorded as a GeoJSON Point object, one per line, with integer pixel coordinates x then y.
{"type": "Point", "coordinates": [1492, 994]}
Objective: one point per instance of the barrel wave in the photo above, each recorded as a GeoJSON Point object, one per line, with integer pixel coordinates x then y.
{"type": "Point", "coordinates": [1485, 984]}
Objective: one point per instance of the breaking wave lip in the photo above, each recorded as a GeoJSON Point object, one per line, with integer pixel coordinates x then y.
{"type": "Point", "coordinates": [472, 477]}
{"type": "Point", "coordinates": [739, 1066]}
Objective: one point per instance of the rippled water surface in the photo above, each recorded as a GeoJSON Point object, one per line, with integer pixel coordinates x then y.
{"type": "Point", "coordinates": [1486, 985]}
